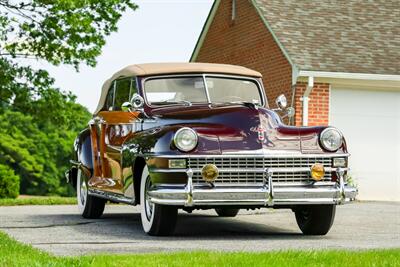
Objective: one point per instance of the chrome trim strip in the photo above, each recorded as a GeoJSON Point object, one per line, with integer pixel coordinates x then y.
{"type": "Point", "coordinates": [206, 88]}
{"type": "Point", "coordinates": [270, 197]}
{"type": "Point", "coordinates": [251, 185]}
{"type": "Point", "coordinates": [255, 170]}
{"type": "Point", "coordinates": [310, 183]}
{"type": "Point", "coordinates": [342, 193]}
{"type": "Point", "coordinates": [189, 189]}
{"type": "Point", "coordinates": [260, 155]}
{"type": "Point", "coordinates": [111, 196]}
{"type": "Point", "coordinates": [158, 170]}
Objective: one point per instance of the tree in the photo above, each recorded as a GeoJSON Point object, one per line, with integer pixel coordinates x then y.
{"type": "Point", "coordinates": [9, 182]}
{"type": "Point", "coordinates": [59, 31]}
{"type": "Point", "coordinates": [39, 152]}
{"type": "Point", "coordinates": [38, 122]}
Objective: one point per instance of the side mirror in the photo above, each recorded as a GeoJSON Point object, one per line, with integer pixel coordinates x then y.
{"type": "Point", "coordinates": [136, 104]}
{"type": "Point", "coordinates": [290, 112]}
{"type": "Point", "coordinates": [281, 102]}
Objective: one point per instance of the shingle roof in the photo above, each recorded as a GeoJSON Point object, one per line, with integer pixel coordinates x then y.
{"type": "Point", "coordinates": [337, 36]}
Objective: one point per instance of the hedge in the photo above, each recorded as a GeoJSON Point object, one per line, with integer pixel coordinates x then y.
{"type": "Point", "coordinates": [9, 182]}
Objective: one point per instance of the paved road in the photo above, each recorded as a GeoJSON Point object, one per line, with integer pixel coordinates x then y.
{"type": "Point", "coordinates": [60, 230]}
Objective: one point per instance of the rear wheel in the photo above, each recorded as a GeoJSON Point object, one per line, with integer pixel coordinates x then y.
{"type": "Point", "coordinates": [158, 220]}
{"type": "Point", "coordinates": [315, 219]}
{"type": "Point", "coordinates": [226, 212]}
{"type": "Point", "coordinates": [89, 206]}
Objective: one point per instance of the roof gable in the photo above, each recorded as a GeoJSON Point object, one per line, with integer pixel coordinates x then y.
{"type": "Point", "coordinates": [337, 36]}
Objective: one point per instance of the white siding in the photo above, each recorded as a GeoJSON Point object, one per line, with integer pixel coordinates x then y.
{"type": "Point", "coordinates": [370, 122]}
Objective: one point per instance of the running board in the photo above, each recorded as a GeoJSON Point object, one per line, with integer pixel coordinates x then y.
{"type": "Point", "coordinates": [111, 196]}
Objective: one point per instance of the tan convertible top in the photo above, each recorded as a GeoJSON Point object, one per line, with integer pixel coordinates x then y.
{"type": "Point", "coordinates": [172, 68]}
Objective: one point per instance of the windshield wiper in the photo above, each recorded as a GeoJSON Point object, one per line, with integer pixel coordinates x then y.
{"type": "Point", "coordinates": [167, 102]}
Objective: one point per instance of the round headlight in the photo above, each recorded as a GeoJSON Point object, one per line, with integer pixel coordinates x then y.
{"type": "Point", "coordinates": [185, 139]}
{"type": "Point", "coordinates": [331, 139]}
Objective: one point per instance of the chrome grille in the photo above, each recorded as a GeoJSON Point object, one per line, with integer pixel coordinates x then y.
{"type": "Point", "coordinates": [246, 165]}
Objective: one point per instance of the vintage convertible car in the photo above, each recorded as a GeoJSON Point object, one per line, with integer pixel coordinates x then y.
{"type": "Point", "coordinates": [202, 136]}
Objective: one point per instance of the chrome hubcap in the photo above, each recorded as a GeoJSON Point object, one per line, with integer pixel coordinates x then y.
{"type": "Point", "coordinates": [148, 206]}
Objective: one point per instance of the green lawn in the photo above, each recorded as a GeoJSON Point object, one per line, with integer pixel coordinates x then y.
{"type": "Point", "coordinates": [13, 253]}
{"type": "Point", "coordinates": [31, 200]}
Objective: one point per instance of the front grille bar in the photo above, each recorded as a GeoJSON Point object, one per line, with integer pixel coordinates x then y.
{"type": "Point", "coordinates": [249, 170]}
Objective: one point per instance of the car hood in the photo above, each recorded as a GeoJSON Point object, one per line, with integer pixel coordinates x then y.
{"type": "Point", "coordinates": [238, 129]}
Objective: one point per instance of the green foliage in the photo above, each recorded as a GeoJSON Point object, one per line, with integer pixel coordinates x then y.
{"type": "Point", "coordinates": [9, 182]}
{"type": "Point", "coordinates": [38, 122]}
{"type": "Point", "coordinates": [59, 31]}
{"type": "Point", "coordinates": [30, 200]}
{"type": "Point", "coordinates": [38, 150]}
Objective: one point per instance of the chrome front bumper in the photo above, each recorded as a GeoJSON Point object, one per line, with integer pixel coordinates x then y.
{"type": "Point", "coordinates": [266, 195]}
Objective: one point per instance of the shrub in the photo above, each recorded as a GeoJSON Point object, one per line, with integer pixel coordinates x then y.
{"type": "Point", "coordinates": [9, 182]}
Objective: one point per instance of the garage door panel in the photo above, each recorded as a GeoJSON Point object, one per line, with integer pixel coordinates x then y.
{"type": "Point", "coordinates": [370, 122]}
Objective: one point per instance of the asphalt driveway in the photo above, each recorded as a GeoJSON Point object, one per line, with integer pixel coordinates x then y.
{"type": "Point", "coordinates": [61, 230]}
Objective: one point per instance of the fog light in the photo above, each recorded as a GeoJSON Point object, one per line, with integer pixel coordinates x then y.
{"type": "Point", "coordinates": [177, 163]}
{"type": "Point", "coordinates": [209, 173]}
{"type": "Point", "coordinates": [339, 162]}
{"type": "Point", "coordinates": [317, 171]}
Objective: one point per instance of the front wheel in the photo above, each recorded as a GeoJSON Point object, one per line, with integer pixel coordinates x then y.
{"type": "Point", "coordinates": [90, 207]}
{"type": "Point", "coordinates": [158, 220]}
{"type": "Point", "coordinates": [315, 219]}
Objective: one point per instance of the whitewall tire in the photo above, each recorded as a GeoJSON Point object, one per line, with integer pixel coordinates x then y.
{"type": "Point", "coordinates": [157, 219]}
{"type": "Point", "coordinates": [89, 206]}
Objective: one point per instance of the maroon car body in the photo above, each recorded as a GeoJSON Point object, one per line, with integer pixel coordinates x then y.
{"type": "Point", "coordinates": [241, 156]}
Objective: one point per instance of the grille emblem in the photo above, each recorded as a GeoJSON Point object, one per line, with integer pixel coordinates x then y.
{"type": "Point", "coordinates": [261, 133]}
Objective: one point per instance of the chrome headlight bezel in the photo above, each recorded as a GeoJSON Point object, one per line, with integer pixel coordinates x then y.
{"type": "Point", "coordinates": [191, 134]}
{"type": "Point", "coordinates": [327, 134]}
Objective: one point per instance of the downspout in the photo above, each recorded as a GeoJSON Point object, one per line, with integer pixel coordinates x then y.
{"type": "Point", "coordinates": [306, 98]}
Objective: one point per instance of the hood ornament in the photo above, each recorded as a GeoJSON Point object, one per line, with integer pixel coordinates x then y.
{"type": "Point", "coordinates": [262, 136]}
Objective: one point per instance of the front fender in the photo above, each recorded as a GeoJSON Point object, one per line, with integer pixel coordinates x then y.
{"type": "Point", "coordinates": [140, 150]}
{"type": "Point", "coordinates": [82, 156]}
{"type": "Point", "coordinates": [155, 141]}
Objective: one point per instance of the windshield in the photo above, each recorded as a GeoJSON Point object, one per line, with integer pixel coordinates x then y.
{"type": "Point", "coordinates": [189, 90]}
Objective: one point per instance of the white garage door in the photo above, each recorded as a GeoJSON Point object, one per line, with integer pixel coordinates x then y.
{"type": "Point", "coordinates": [370, 122]}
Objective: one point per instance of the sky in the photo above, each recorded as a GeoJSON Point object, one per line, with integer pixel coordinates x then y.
{"type": "Point", "coordinates": [158, 31]}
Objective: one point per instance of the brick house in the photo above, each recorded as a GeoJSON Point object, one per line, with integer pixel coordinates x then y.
{"type": "Point", "coordinates": [337, 61]}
